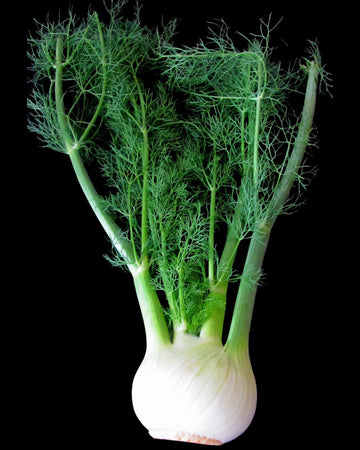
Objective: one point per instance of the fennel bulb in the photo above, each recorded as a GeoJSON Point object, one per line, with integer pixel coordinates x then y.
{"type": "Point", "coordinates": [198, 156]}
{"type": "Point", "coordinates": [194, 390]}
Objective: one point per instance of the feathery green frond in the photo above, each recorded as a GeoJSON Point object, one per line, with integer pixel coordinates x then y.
{"type": "Point", "coordinates": [192, 144]}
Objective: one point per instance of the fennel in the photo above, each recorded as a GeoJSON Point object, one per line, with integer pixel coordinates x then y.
{"type": "Point", "coordinates": [199, 153]}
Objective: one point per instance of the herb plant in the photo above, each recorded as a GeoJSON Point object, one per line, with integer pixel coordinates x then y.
{"type": "Point", "coordinates": [198, 152]}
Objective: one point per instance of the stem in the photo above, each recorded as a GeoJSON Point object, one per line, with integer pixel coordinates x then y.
{"type": "Point", "coordinates": [181, 296]}
{"type": "Point", "coordinates": [256, 141]}
{"type": "Point", "coordinates": [94, 199]}
{"type": "Point", "coordinates": [244, 305]}
{"type": "Point", "coordinates": [243, 152]}
{"type": "Point", "coordinates": [233, 240]}
{"type": "Point", "coordinates": [103, 89]}
{"type": "Point", "coordinates": [131, 225]}
{"type": "Point", "coordinates": [211, 264]}
{"type": "Point", "coordinates": [145, 170]}
{"type": "Point", "coordinates": [282, 191]}
{"type": "Point", "coordinates": [163, 268]}
{"type": "Point", "coordinates": [59, 95]}
{"type": "Point", "coordinates": [156, 330]}
{"type": "Point", "coordinates": [144, 210]}
{"type": "Point", "coordinates": [257, 129]}
{"type": "Point", "coordinates": [73, 147]}
{"type": "Point", "coordinates": [214, 325]}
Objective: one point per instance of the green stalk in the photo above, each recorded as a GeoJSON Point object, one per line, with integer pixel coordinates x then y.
{"type": "Point", "coordinates": [131, 225]}
{"type": "Point", "coordinates": [244, 305]}
{"type": "Point", "coordinates": [145, 171]}
{"type": "Point", "coordinates": [241, 320]}
{"type": "Point", "coordinates": [181, 296]}
{"type": "Point", "coordinates": [257, 127]}
{"type": "Point", "coordinates": [107, 222]}
{"type": "Point", "coordinates": [243, 150]}
{"type": "Point", "coordinates": [145, 195]}
{"type": "Point", "coordinates": [163, 268]}
{"type": "Point", "coordinates": [155, 324]}
{"type": "Point", "coordinates": [154, 321]}
{"type": "Point", "coordinates": [256, 141]}
{"type": "Point", "coordinates": [59, 95]}
{"type": "Point", "coordinates": [156, 330]}
{"type": "Point", "coordinates": [283, 188]}
{"type": "Point", "coordinates": [73, 148]}
{"type": "Point", "coordinates": [214, 325]}
{"type": "Point", "coordinates": [103, 89]}
{"type": "Point", "coordinates": [211, 264]}
{"type": "Point", "coordinates": [233, 240]}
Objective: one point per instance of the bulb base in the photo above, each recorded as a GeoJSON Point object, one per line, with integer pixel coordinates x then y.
{"type": "Point", "coordinates": [183, 437]}
{"type": "Point", "coordinates": [194, 390]}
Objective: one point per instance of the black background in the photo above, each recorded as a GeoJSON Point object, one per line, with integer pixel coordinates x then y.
{"type": "Point", "coordinates": [78, 324]}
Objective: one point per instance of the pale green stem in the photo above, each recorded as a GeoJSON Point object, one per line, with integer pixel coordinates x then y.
{"type": "Point", "coordinates": [111, 228]}
{"type": "Point", "coordinates": [145, 171]}
{"type": "Point", "coordinates": [243, 150]}
{"type": "Point", "coordinates": [256, 142]}
{"type": "Point", "coordinates": [284, 186]}
{"type": "Point", "coordinates": [90, 125]}
{"type": "Point", "coordinates": [211, 264]}
{"type": "Point", "coordinates": [241, 320]}
{"type": "Point", "coordinates": [181, 295]}
{"type": "Point", "coordinates": [72, 146]}
{"type": "Point", "coordinates": [154, 321]}
{"type": "Point", "coordinates": [211, 240]}
{"type": "Point", "coordinates": [156, 330]}
{"type": "Point", "coordinates": [214, 325]}
{"type": "Point", "coordinates": [59, 95]}
{"type": "Point", "coordinates": [170, 296]}
{"type": "Point", "coordinates": [257, 127]}
{"type": "Point", "coordinates": [131, 224]}
{"type": "Point", "coordinates": [244, 305]}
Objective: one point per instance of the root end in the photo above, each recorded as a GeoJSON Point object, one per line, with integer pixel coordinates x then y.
{"type": "Point", "coordinates": [184, 437]}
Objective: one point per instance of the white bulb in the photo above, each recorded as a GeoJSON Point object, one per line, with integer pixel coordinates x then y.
{"type": "Point", "coordinates": [196, 391]}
